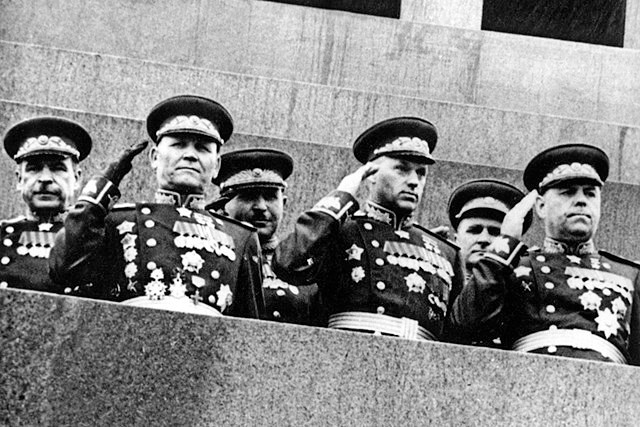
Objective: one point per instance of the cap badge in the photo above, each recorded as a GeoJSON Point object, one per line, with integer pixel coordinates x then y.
{"type": "Point", "coordinates": [405, 143]}
{"type": "Point", "coordinates": [577, 170]}
{"type": "Point", "coordinates": [190, 123]}
{"type": "Point", "coordinates": [44, 142]}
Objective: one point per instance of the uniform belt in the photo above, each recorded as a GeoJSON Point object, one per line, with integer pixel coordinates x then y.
{"type": "Point", "coordinates": [576, 338]}
{"type": "Point", "coordinates": [380, 324]}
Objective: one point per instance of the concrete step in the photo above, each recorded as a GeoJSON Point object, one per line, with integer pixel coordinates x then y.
{"type": "Point", "coordinates": [318, 170]}
{"type": "Point", "coordinates": [346, 50]}
{"type": "Point", "coordinates": [299, 111]}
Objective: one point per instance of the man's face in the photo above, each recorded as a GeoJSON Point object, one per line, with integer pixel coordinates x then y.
{"type": "Point", "coordinates": [48, 183]}
{"type": "Point", "coordinates": [570, 213]}
{"type": "Point", "coordinates": [261, 207]}
{"type": "Point", "coordinates": [398, 184]}
{"type": "Point", "coordinates": [474, 234]}
{"type": "Point", "coordinates": [185, 163]}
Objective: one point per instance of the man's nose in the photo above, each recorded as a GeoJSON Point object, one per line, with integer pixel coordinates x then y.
{"type": "Point", "coordinates": [484, 237]}
{"type": "Point", "coordinates": [45, 175]}
{"type": "Point", "coordinates": [259, 203]}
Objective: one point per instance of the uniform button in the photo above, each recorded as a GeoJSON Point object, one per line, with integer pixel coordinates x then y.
{"type": "Point", "coordinates": [9, 229]}
{"type": "Point", "coordinates": [368, 226]}
{"type": "Point", "coordinates": [145, 211]}
{"type": "Point", "coordinates": [541, 258]}
{"type": "Point", "coordinates": [215, 274]}
{"type": "Point", "coordinates": [7, 242]}
{"type": "Point", "coordinates": [606, 265]}
{"type": "Point", "coordinates": [151, 265]}
{"type": "Point", "coordinates": [211, 299]}
{"type": "Point", "coordinates": [553, 328]}
{"type": "Point", "coordinates": [545, 269]}
{"type": "Point", "coordinates": [149, 223]}
{"type": "Point", "coordinates": [606, 292]}
{"type": "Point", "coordinates": [4, 285]}
{"type": "Point", "coordinates": [381, 286]}
{"type": "Point", "coordinates": [379, 261]}
{"type": "Point", "coordinates": [549, 285]}
{"type": "Point", "coordinates": [151, 243]}
{"type": "Point", "coordinates": [67, 290]}
{"type": "Point", "coordinates": [552, 349]}
{"type": "Point", "coordinates": [550, 309]}
{"type": "Point", "coordinates": [280, 292]}
{"type": "Point", "coordinates": [276, 314]}
{"type": "Point", "coordinates": [5, 260]}
{"type": "Point", "coordinates": [380, 310]}
{"type": "Point", "coordinates": [375, 243]}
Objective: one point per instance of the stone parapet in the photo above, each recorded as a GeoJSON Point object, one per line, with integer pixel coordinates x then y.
{"type": "Point", "coordinates": [69, 361]}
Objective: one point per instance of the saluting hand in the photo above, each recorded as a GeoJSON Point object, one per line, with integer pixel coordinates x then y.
{"type": "Point", "coordinates": [514, 219]}
{"type": "Point", "coordinates": [351, 182]}
{"type": "Point", "coordinates": [119, 168]}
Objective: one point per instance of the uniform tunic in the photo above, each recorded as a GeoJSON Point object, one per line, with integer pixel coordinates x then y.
{"type": "Point", "coordinates": [170, 247]}
{"type": "Point", "coordinates": [25, 245]}
{"type": "Point", "coordinates": [288, 303]}
{"type": "Point", "coordinates": [552, 289]}
{"type": "Point", "coordinates": [371, 262]}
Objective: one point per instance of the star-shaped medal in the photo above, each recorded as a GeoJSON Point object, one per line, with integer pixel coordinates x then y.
{"type": "Point", "coordinates": [590, 300]}
{"type": "Point", "coordinates": [522, 271]}
{"type": "Point", "coordinates": [354, 252]}
{"type": "Point", "coordinates": [125, 227]}
{"type": "Point", "coordinates": [45, 226]}
{"type": "Point", "coordinates": [357, 274]}
{"type": "Point", "coordinates": [501, 244]}
{"type": "Point", "coordinates": [415, 283]}
{"type": "Point", "coordinates": [573, 258]}
{"type": "Point", "coordinates": [619, 307]}
{"type": "Point", "coordinates": [225, 297]}
{"type": "Point", "coordinates": [607, 322]}
{"type": "Point", "coordinates": [185, 212]}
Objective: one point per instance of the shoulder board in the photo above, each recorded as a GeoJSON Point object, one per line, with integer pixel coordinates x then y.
{"type": "Point", "coordinates": [533, 249]}
{"type": "Point", "coordinates": [620, 259]}
{"type": "Point", "coordinates": [13, 220]}
{"type": "Point", "coordinates": [233, 221]}
{"type": "Point", "coordinates": [437, 236]}
{"type": "Point", "coordinates": [359, 214]}
{"type": "Point", "coordinates": [120, 206]}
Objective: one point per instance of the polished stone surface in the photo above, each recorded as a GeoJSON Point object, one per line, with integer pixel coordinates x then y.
{"type": "Point", "coordinates": [385, 8]}
{"type": "Point", "coordinates": [318, 170]}
{"type": "Point", "coordinates": [347, 50]}
{"type": "Point", "coordinates": [69, 361]}
{"type": "Point", "coordinates": [300, 111]}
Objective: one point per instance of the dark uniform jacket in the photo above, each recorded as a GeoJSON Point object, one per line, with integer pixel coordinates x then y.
{"type": "Point", "coordinates": [170, 247]}
{"type": "Point", "coordinates": [552, 289]}
{"type": "Point", "coordinates": [24, 254]}
{"type": "Point", "coordinates": [289, 303]}
{"type": "Point", "coordinates": [371, 263]}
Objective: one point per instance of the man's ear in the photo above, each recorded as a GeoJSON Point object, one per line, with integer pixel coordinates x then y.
{"type": "Point", "coordinates": [77, 172]}
{"type": "Point", "coordinates": [540, 206]}
{"type": "Point", "coordinates": [153, 157]}
{"type": "Point", "coordinates": [18, 179]}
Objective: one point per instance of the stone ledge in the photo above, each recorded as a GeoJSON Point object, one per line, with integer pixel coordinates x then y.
{"type": "Point", "coordinates": [73, 361]}
{"type": "Point", "coordinates": [300, 111]}
{"type": "Point", "coordinates": [341, 49]}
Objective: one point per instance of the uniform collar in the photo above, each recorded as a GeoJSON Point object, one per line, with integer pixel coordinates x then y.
{"type": "Point", "coordinates": [194, 201]}
{"type": "Point", "coordinates": [59, 217]}
{"type": "Point", "coordinates": [554, 246]}
{"type": "Point", "coordinates": [379, 213]}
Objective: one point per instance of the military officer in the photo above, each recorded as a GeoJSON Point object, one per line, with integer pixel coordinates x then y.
{"type": "Point", "coordinates": [476, 210]}
{"type": "Point", "coordinates": [47, 151]}
{"type": "Point", "coordinates": [169, 253]}
{"type": "Point", "coordinates": [565, 298]}
{"type": "Point", "coordinates": [379, 271]}
{"type": "Point", "coordinates": [252, 187]}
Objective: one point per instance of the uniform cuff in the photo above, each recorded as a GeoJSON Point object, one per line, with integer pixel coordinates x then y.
{"type": "Point", "coordinates": [506, 250]}
{"type": "Point", "coordinates": [338, 204]}
{"type": "Point", "coordinates": [100, 191]}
